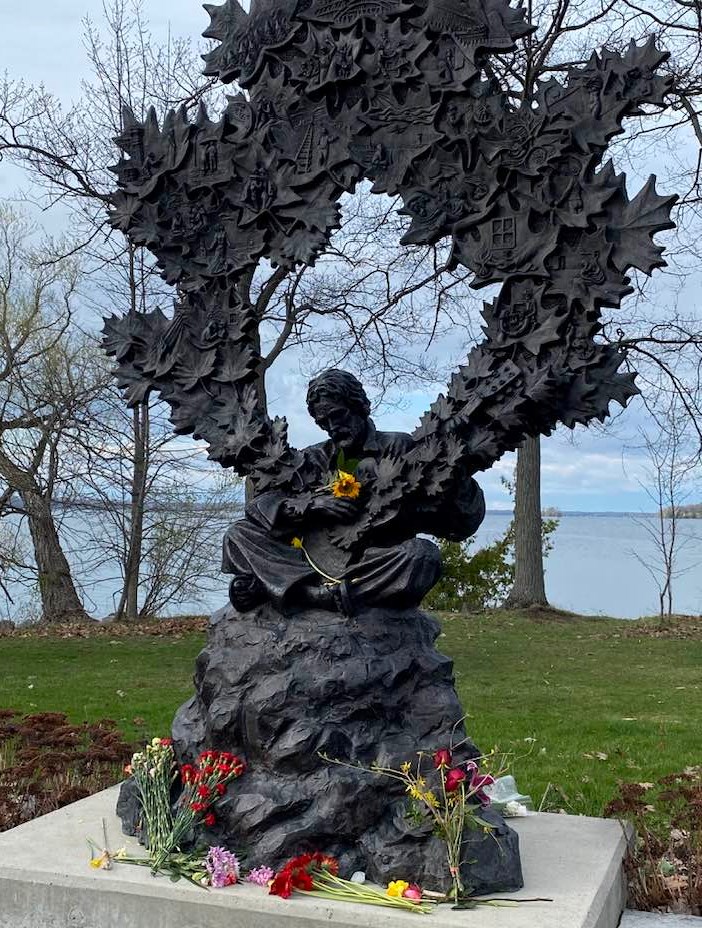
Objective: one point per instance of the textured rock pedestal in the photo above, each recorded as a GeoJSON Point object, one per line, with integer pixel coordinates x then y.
{"type": "Point", "coordinates": [281, 691]}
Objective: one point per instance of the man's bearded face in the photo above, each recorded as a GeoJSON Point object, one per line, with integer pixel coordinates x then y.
{"type": "Point", "coordinates": [347, 428]}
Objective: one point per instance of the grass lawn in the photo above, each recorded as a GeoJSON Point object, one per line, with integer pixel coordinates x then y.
{"type": "Point", "coordinates": [601, 703]}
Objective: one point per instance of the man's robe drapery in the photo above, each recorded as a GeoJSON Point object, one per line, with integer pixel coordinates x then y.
{"type": "Point", "coordinates": [258, 549]}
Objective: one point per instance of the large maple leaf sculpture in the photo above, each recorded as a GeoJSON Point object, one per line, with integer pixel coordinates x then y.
{"type": "Point", "coordinates": [393, 91]}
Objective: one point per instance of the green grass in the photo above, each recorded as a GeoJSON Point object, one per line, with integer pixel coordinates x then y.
{"type": "Point", "coordinates": [578, 686]}
{"type": "Point", "coordinates": [139, 682]}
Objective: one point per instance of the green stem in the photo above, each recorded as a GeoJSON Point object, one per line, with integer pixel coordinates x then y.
{"type": "Point", "coordinates": [316, 568]}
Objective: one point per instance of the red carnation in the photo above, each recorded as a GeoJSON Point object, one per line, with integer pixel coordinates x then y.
{"type": "Point", "coordinates": [203, 791]}
{"type": "Point", "coordinates": [454, 778]}
{"type": "Point", "coordinates": [302, 880]}
{"type": "Point", "coordinates": [282, 885]}
{"type": "Point", "coordinates": [221, 789]}
{"type": "Point", "coordinates": [198, 806]}
{"type": "Point", "coordinates": [209, 819]}
{"type": "Point", "coordinates": [187, 773]}
{"type": "Point", "coordinates": [166, 742]}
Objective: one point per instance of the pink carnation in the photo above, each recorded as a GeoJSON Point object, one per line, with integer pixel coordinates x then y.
{"type": "Point", "coordinates": [261, 876]}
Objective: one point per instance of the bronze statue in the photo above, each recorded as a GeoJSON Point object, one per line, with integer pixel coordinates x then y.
{"type": "Point", "coordinates": [396, 570]}
{"type": "Point", "coordinates": [323, 652]}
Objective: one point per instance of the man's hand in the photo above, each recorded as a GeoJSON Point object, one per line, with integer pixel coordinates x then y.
{"type": "Point", "coordinates": [331, 509]}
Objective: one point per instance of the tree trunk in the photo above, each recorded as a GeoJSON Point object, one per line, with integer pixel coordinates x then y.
{"type": "Point", "coordinates": [529, 588]}
{"type": "Point", "coordinates": [59, 599]}
{"type": "Point", "coordinates": [128, 607]}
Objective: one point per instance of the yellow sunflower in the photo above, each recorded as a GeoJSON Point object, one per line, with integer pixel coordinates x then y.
{"type": "Point", "coordinates": [345, 486]}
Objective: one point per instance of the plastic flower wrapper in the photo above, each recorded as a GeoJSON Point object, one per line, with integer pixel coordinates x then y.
{"type": "Point", "coordinates": [506, 797]}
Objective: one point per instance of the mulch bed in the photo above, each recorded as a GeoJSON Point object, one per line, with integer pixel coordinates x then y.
{"type": "Point", "coordinates": [153, 628]}
{"type": "Point", "coordinates": [47, 763]}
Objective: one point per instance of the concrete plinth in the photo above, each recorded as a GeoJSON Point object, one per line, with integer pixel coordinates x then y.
{"type": "Point", "coordinates": [46, 882]}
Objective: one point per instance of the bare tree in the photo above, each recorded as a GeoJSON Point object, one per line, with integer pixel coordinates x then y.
{"type": "Point", "coordinates": [673, 460]}
{"type": "Point", "coordinates": [48, 381]}
{"type": "Point", "coordinates": [68, 154]}
{"type": "Point", "coordinates": [186, 509]}
{"type": "Point", "coordinates": [369, 302]}
{"type": "Point", "coordinates": [650, 327]}
{"type": "Point", "coordinates": [529, 587]}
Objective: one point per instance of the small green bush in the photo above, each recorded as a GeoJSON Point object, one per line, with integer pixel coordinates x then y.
{"type": "Point", "coordinates": [473, 582]}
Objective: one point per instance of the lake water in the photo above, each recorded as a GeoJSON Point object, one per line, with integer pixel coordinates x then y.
{"type": "Point", "coordinates": [593, 569]}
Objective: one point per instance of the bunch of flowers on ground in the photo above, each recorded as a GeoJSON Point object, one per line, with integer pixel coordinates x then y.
{"type": "Point", "coordinates": [450, 794]}
{"type": "Point", "coordinates": [215, 866]}
{"type": "Point", "coordinates": [453, 805]}
{"type": "Point", "coordinates": [222, 867]}
{"type": "Point", "coordinates": [318, 875]}
{"type": "Point", "coordinates": [260, 876]}
{"type": "Point", "coordinates": [154, 771]}
{"type": "Point", "coordinates": [203, 785]}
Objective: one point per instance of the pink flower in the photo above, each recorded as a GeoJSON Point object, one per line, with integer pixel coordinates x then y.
{"type": "Point", "coordinates": [413, 892]}
{"type": "Point", "coordinates": [477, 784]}
{"type": "Point", "coordinates": [222, 866]}
{"type": "Point", "coordinates": [454, 778]}
{"type": "Point", "coordinates": [261, 876]}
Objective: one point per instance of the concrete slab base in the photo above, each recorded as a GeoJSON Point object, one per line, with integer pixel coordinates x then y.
{"type": "Point", "coordinates": [45, 882]}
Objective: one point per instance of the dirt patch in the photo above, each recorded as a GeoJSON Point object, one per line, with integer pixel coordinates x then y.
{"type": "Point", "coordinates": [671, 627]}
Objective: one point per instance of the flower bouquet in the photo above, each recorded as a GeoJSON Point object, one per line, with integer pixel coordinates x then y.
{"type": "Point", "coordinates": [204, 784]}
{"type": "Point", "coordinates": [451, 795]}
{"type": "Point", "coordinates": [318, 875]}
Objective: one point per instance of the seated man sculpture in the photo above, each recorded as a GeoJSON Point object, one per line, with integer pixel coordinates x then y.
{"type": "Point", "coordinates": [265, 552]}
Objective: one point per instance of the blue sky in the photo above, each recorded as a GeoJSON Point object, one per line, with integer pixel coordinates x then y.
{"type": "Point", "coordinates": [590, 470]}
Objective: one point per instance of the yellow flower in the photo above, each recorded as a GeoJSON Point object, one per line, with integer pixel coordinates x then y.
{"type": "Point", "coordinates": [396, 888]}
{"type": "Point", "coordinates": [430, 799]}
{"type": "Point", "coordinates": [297, 542]}
{"type": "Point", "coordinates": [345, 486]}
{"type": "Point", "coordinates": [101, 863]}
{"type": "Point", "coordinates": [406, 767]}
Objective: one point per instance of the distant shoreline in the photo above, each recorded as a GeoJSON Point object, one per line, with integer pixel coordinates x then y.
{"type": "Point", "coordinates": [550, 513]}
{"type": "Point", "coordinates": [575, 512]}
